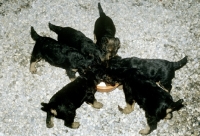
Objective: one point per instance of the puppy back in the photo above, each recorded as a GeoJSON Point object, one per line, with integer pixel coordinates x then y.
{"type": "Point", "coordinates": [34, 34]}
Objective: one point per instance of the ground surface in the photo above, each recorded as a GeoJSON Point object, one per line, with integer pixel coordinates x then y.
{"type": "Point", "coordinates": [165, 29]}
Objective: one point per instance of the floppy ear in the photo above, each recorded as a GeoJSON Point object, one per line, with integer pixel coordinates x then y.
{"type": "Point", "coordinates": [117, 42]}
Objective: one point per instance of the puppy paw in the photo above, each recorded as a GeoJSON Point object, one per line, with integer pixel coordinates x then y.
{"type": "Point", "coordinates": [97, 105]}
{"type": "Point", "coordinates": [50, 124]}
{"type": "Point", "coordinates": [75, 125]}
{"type": "Point", "coordinates": [144, 131]}
{"type": "Point", "coordinates": [33, 70]}
{"type": "Point", "coordinates": [168, 116]}
{"type": "Point", "coordinates": [126, 110]}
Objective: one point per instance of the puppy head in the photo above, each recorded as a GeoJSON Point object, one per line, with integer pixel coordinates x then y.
{"type": "Point", "coordinates": [110, 46]}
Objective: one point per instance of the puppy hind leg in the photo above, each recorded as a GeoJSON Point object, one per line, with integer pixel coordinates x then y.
{"type": "Point", "coordinates": [49, 120]}
{"type": "Point", "coordinates": [69, 120]}
{"type": "Point", "coordinates": [151, 125]}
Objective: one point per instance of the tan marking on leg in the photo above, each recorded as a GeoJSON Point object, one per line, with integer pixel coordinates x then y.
{"type": "Point", "coordinates": [168, 116]}
{"type": "Point", "coordinates": [145, 131]}
{"type": "Point", "coordinates": [75, 124]}
{"type": "Point", "coordinates": [50, 124]}
{"type": "Point", "coordinates": [54, 112]}
{"type": "Point", "coordinates": [128, 109]}
{"type": "Point", "coordinates": [96, 105]}
{"type": "Point", "coordinates": [162, 87]}
{"type": "Point", "coordinates": [33, 68]}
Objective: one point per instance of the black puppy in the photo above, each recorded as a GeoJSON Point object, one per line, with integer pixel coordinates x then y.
{"type": "Point", "coordinates": [58, 55]}
{"type": "Point", "coordinates": [64, 103]}
{"type": "Point", "coordinates": [78, 40]}
{"type": "Point", "coordinates": [158, 70]}
{"type": "Point", "coordinates": [156, 102]}
{"type": "Point", "coordinates": [104, 34]}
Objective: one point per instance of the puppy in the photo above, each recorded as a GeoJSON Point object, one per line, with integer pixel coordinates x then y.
{"type": "Point", "coordinates": [58, 55]}
{"type": "Point", "coordinates": [78, 40]}
{"type": "Point", "coordinates": [64, 103]}
{"type": "Point", "coordinates": [156, 102]}
{"type": "Point", "coordinates": [104, 34]}
{"type": "Point", "coordinates": [158, 70]}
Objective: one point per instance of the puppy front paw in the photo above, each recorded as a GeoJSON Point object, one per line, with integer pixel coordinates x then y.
{"type": "Point", "coordinates": [49, 124]}
{"type": "Point", "coordinates": [33, 70]}
{"type": "Point", "coordinates": [144, 131]}
{"type": "Point", "coordinates": [97, 105]}
{"type": "Point", "coordinates": [75, 125]}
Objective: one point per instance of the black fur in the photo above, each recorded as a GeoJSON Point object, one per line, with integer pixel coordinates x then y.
{"type": "Point", "coordinates": [151, 98]}
{"type": "Point", "coordinates": [78, 40]}
{"type": "Point", "coordinates": [58, 55]}
{"type": "Point", "coordinates": [104, 33]}
{"type": "Point", "coordinates": [64, 103]}
{"type": "Point", "coordinates": [155, 69]}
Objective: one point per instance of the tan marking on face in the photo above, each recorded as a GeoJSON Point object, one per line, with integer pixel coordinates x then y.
{"type": "Point", "coordinates": [75, 124]}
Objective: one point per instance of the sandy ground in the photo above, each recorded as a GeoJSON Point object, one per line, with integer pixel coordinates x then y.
{"type": "Point", "coordinates": [165, 29]}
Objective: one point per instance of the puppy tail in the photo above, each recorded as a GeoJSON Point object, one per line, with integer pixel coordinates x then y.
{"type": "Point", "coordinates": [179, 64]}
{"type": "Point", "coordinates": [34, 34]}
{"type": "Point", "coordinates": [54, 28]}
{"type": "Point", "coordinates": [45, 107]}
{"type": "Point", "coordinates": [101, 13]}
{"type": "Point", "coordinates": [176, 105]}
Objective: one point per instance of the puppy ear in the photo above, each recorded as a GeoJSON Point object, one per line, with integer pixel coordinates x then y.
{"type": "Point", "coordinates": [117, 42]}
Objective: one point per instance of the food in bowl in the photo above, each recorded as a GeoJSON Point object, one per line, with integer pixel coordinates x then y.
{"type": "Point", "coordinates": [102, 87]}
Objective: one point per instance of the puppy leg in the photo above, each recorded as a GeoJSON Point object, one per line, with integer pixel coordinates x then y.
{"type": "Point", "coordinates": [90, 99]}
{"type": "Point", "coordinates": [97, 105]}
{"type": "Point", "coordinates": [151, 125]}
{"type": "Point", "coordinates": [128, 109]}
{"type": "Point", "coordinates": [69, 120]}
{"type": "Point", "coordinates": [49, 120]}
{"type": "Point", "coordinates": [129, 100]}
{"type": "Point", "coordinates": [33, 62]}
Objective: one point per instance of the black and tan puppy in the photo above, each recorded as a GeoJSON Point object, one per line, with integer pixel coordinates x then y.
{"type": "Point", "coordinates": [158, 70]}
{"type": "Point", "coordinates": [104, 34]}
{"type": "Point", "coordinates": [78, 40]}
{"type": "Point", "coordinates": [156, 102]}
{"type": "Point", "coordinates": [64, 103]}
{"type": "Point", "coordinates": [57, 54]}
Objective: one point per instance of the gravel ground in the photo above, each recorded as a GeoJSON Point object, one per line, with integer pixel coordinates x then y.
{"type": "Point", "coordinates": [165, 29]}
